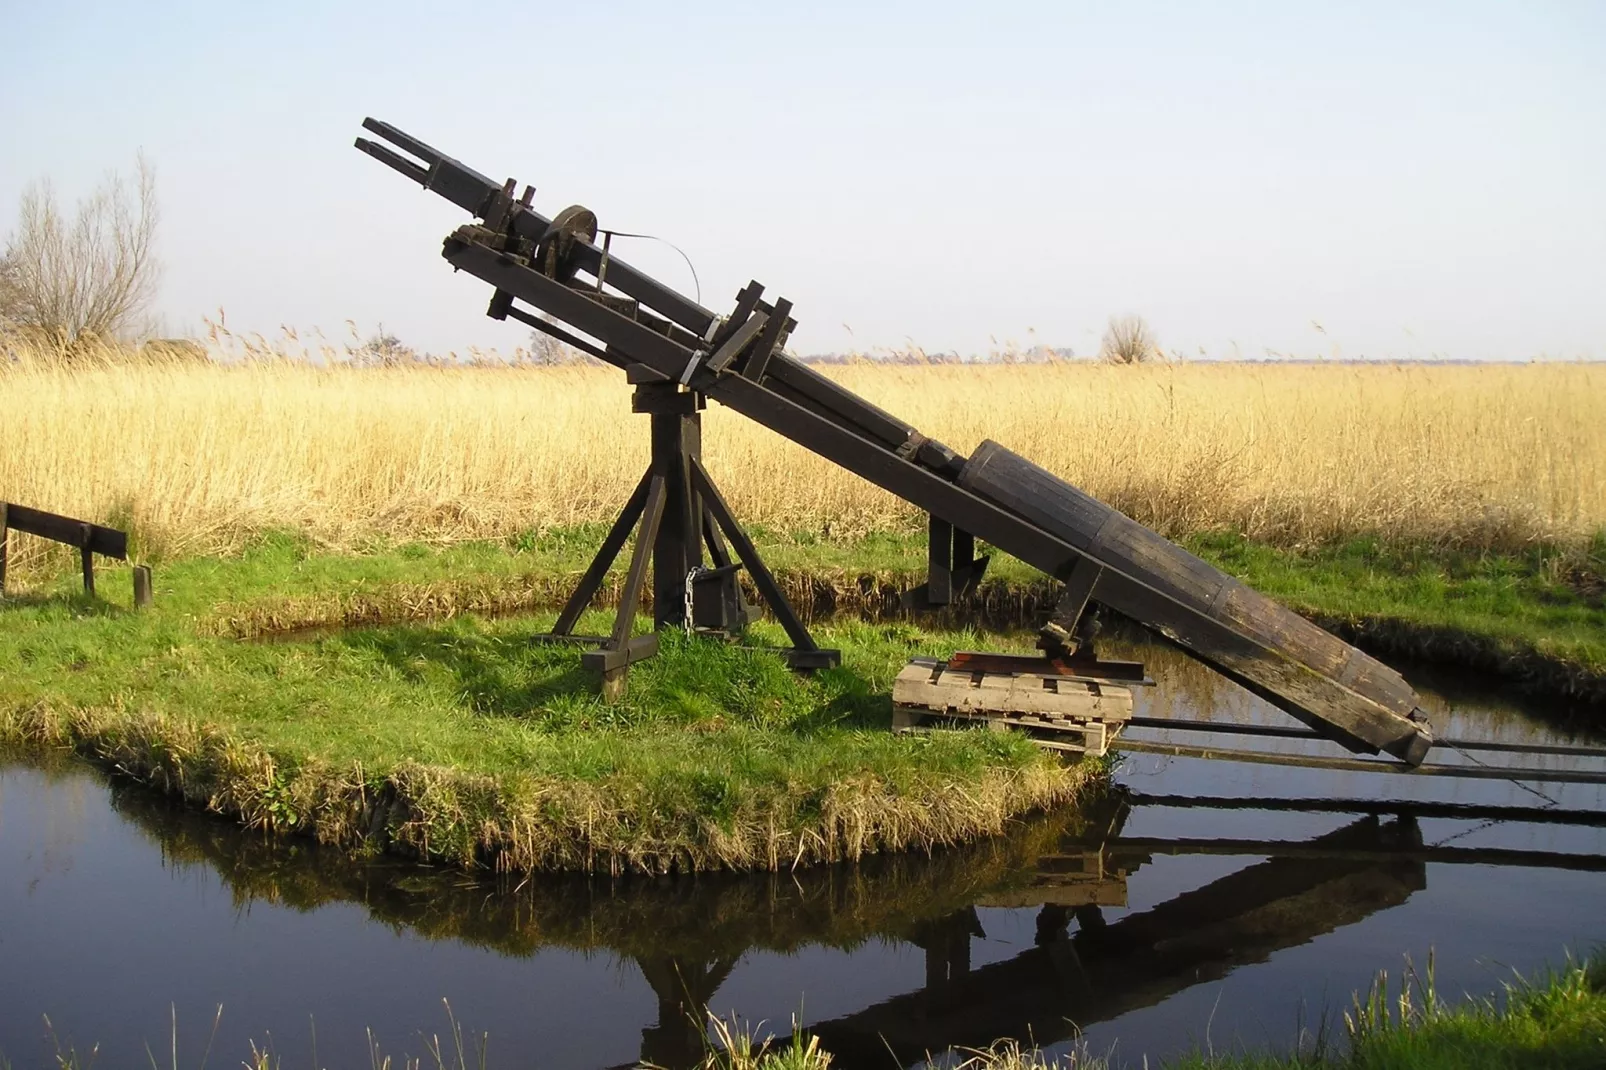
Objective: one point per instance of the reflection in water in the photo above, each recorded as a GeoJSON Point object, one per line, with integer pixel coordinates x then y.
{"type": "Point", "coordinates": [685, 935]}
{"type": "Point", "coordinates": [1124, 921]}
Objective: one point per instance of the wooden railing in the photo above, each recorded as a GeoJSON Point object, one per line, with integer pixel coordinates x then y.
{"type": "Point", "coordinates": [91, 539]}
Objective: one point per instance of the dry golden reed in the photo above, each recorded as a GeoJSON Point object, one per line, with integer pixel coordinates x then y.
{"type": "Point", "coordinates": [197, 456]}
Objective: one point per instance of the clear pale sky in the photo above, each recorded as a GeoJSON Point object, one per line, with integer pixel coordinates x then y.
{"type": "Point", "coordinates": [1417, 179]}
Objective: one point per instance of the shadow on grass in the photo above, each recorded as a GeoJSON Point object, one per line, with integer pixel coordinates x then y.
{"type": "Point", "coordinates": [79, 603]}
{"type": "Point", "coordinates": [694, 682]}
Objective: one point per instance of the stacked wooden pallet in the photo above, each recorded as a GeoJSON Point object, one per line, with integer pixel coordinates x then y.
{"type": "Point", "coordinates": [1058, 709]}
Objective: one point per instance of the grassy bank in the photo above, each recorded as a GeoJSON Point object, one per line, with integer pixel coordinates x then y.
{"type": "Point", "coordinates": [462, 740]}
{"type": "Point", "coordinates": [400, 704]}
{"type": "Point", "coordinates": [1536, 618]}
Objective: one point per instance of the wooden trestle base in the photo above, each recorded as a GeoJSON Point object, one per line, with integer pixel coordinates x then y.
{"type": "Point", "coordinates": [1067, 705]}
{"type": "Point", "coordinates": [677, 513]}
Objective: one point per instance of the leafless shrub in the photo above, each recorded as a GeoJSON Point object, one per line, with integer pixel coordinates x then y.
{"type": "Point", "coordinates": [96, 273]}
{"type": "Point", "coordinates": [1128, 340]}
{"type": "Point", "coordinates": [384, 350]}
{"type": "Point", "coordinates": [549, 351]}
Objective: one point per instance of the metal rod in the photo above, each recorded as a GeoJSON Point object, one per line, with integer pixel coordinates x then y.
{"type": "Point", "coordinates": [1360, 765]}
{"type": "Point", "coordinates": [1379, 808]}
{"type": "Point", "coordinates": [1290, 732]}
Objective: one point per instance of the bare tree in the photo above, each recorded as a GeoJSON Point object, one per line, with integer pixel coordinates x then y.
{"type": "Point", "coordinates": [545, 349]}
{"type": "Point", "coordinates": [96, 273]}
{"type": "Point", "coordinates": [1128, 340]}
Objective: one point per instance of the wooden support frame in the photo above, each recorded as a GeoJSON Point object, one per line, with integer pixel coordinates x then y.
{"type": "Point", "coordinates": [1333, 688]}
{"type": "Point", "coordinates": [90, 539]}
{"type": "Point", "coordinates": [952, 568]}
{"type": "Point", "coordinates": [676, 513]}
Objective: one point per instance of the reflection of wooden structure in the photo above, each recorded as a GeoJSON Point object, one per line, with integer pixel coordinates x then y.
{"type": "Point", "coordinates": [1104, 969]}
{"type": "Point", "coordinates": [1062, 704]}
{"type": "Point", "coordinates": [685, 988]}
{"type": "Point", "coordinates": [1094, 877]}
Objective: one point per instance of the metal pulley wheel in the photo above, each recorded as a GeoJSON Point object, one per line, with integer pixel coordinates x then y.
{"type": "Point", "coordinates": [554, 256]}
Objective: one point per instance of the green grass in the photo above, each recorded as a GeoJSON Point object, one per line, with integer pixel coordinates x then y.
{"type": "Point", "coordinates": [404, 706]}
{"type": "Point", "coordinates": [464, 740]}
{"type": "Point", "coordinates": [1556, 1021]}
{"type": "Point", "coordinates": [1537, 618]}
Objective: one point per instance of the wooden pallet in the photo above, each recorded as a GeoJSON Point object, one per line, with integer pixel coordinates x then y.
{"type": "Point", "coordinates": [1058, 712]}
{"type": "Point", "coordinates": [1083, 878]}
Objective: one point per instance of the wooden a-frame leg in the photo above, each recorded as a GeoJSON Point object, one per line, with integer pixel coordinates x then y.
{"type": "Point", "coordinates": [615, 669]}
{"type": "Point", "coordinates": [802, 642]}
{"type": "Point", "coordinates": [586, 589]}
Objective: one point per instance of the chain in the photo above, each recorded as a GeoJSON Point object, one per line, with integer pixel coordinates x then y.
{"type": "Point", "coordinates": [691, 578]}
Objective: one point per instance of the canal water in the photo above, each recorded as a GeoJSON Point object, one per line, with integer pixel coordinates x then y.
{"type": "Point", "coordinates": [1221, 905]}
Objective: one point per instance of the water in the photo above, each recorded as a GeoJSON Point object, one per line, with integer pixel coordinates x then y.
{"type": "Point", "coordinates": [1152, 928]}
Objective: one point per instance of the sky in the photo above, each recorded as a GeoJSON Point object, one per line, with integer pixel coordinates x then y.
{"type": "Point", "coordinates": [1334, 181]}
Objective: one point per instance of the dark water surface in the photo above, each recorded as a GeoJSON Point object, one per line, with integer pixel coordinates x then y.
{"type": "Point", "coordinates": [1153, 927]}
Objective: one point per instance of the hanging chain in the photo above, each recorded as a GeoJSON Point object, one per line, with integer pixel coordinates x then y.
{"type": "Point", "coordinates": [691, 578]}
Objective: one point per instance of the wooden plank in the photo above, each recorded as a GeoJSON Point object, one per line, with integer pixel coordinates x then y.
{"type": "Point", "coordinates": [939, 560]}
{"type": "Point", "coordinates": [640, 555]}
{"type": "Point", "coordinates": [736, 342]}
{"type": "Point", "coordinates": [1074, 668]}
{"type": "Point", "coordinates": [746, 301]}
{"type": "Point", "coordinates": [108, 542]}
{"type": "Point", "coordinates": [773, 338]}
{"type": "Point", "coordinates": [586, 589]}
{"type": "Point", "coordinates": [1361, 765]}
{"type": "Point", "coordinates": [1089, 737]}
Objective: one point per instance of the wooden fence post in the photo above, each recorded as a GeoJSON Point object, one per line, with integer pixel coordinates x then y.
{"type": "Point", "coordinates": [142, 586]}
{"type": "Point", "coordinates": [88, 556]}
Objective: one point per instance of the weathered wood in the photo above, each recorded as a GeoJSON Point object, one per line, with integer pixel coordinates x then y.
{"type": "Point", "coordinates": [1292, 663]}
{"type": "Point", "coordinates": [866, 442]}
{"type": "Point", "coordinates": [636, 578]}
{"type": "Point", "coordinates": [939, 561]}
{"type": "Point", "coordinates": [1321, 679]}
{"type": "Point", "coordinates": [1362, 765]}
{"type": "Point", "coordinates": [774, 337]}
{"type": "Point", "coordinates": [938, 688]}
{"type": "Point", "coordinates": [737, 341]}
{"type": "Point", "coordinates": [603, 561]}
{"type": "Point", "coordinates": [142, 586]}
{"type": "Point", "coordinates": [108, 542]}
{"type": "Point", "coordinates": [1080, 587]}
{"type": "Point", "coordinates": [86, 556]}
{"type": "Point", "coordinates": [748, 554]}
{"type": "Point", "coordinates": [1058, 712]}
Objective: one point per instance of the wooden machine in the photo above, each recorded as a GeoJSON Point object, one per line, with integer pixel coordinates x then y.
{"type": "Point", "coordinates": [680, 355]}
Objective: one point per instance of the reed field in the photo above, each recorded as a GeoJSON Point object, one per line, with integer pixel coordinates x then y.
{"type": "Point", "coordinates": [197, 457]}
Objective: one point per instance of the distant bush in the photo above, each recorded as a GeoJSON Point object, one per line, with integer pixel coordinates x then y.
{"type": "Point", "coordinates": [1128, 340]}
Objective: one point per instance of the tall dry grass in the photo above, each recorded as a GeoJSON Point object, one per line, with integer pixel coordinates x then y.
{"type": "Point", "coordinates": [198, 456]}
